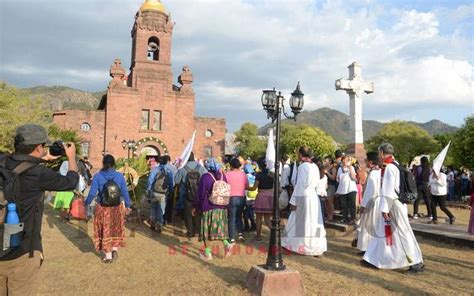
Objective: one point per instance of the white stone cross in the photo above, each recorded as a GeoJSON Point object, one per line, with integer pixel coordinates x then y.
{"type": "Point", "coordinates": [355, 86]}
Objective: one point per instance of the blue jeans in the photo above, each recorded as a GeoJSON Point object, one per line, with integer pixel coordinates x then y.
{"type": "Point", "coordinates": [451, 192]}
{"type": "Point", "coordinates": [235, 208]}
{"type": "Point", "coordinates": [249, 214]}
{"type": "Point", "coordinates": [182, 197]}
{"type": "Point", "coordinates": [157, 211]}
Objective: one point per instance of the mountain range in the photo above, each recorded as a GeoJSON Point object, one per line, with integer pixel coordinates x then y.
{"type": "Point", "coordinates": [333, 122]}
{"type": "Point", "coordinates": [337, 124]}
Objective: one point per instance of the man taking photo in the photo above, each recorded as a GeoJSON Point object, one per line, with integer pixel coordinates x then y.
{"type": "Point", "coordinates": [20, 267]}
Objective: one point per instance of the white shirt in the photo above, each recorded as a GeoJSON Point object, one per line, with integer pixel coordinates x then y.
{"type": "Point", "coordinates": [346, 184]}
{"type": "Point", "coordinates": [285, 175]}
{"type": "Point", "coordinates": [322, 187]}
{"type": "Point", "coordinates": [451, 177]}
{"type": "Point", "coordinates": [390, 187]}
{"type": "Point", "coordinates": [372, 188]}
{"type": "Point", "coordinates": [438, 186]}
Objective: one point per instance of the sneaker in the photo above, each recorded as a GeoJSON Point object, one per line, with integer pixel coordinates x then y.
{"type": "Point", "coordinates": [107, 261]}
{"type": "Point", "coordinates": [452, 220]}
{"type": "Point", "coordinates": [228, 250]}
{"type": "Point", "coordinates": [241, 237]}
{"type": "Point", "coordinates": [431, 217]}
{"type": "Point", "coordinates": [367, 264]}
{"type": "Point", "coordinates": [205, 257]}
{"type": "Point", "coordinates": [416, 268]}
{"type": "Point", "coordinates": [415, 216]}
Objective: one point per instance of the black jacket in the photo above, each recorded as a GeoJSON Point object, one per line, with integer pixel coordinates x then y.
{"type": "Point", "coordinates": [30, 202]}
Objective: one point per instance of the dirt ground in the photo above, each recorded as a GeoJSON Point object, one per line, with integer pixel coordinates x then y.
{"type": "Point", "coordinates": [158, 264]}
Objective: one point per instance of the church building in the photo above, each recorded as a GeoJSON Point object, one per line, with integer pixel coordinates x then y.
{"type": "Point", "coordinates": [145, 108]}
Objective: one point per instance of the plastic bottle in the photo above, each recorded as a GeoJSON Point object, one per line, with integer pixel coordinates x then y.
{"type": "Point", "coordinates": [13, 218]}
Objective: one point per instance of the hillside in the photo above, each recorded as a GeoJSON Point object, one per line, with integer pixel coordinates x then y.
{"type": "Point", "coordinates": [333, 122]}
{"type": "Point", "coordinates": [62, 97]}
{"type": "Point", "coordinates": [336, 124]}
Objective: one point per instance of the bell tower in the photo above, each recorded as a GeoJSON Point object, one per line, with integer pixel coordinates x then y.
{"type": "Point", "coordinates": [151, 45]}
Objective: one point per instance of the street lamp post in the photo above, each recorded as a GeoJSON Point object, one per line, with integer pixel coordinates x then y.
{"type": "Point", "coordinates": [273, 104]}
{"type": "Point", "coordinates": [129, 145]}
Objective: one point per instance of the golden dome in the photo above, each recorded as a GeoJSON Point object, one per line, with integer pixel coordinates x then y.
{"type": "Point", "coordinates": [154, 5]}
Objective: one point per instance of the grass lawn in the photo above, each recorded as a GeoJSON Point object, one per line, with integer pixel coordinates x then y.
{"type": "Point", "coordinates": [158, 264]}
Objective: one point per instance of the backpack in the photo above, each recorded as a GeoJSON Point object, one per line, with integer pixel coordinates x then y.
{"type": "Point", "coordinates": [162, 180]}
{"type": "Point", "coordinates": [9, 188]}
{"type": "Point", "coordinates": [110, 194]}
{"type": "Point", "coordinates": [191, 183]}
{"type": "Point", "coordinates": [220, 195]}
{"type": "Point", "coordinates": [408, 191]}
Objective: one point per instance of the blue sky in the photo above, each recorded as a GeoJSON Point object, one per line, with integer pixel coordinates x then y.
{"type": "Point", "coordinates": [419, 54]}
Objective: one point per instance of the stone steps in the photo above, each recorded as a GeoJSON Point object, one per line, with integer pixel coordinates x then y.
{"type": "Point", "coordinates": [336, 225]}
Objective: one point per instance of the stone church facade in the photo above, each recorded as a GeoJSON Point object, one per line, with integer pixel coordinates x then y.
{"type": "Point", "coordinates": [145, 106]}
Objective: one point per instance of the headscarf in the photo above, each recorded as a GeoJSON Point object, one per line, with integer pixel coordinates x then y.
{"type": "Point", "coordinates": [213, 165]}
{"type": "Point", "coordinates": [248, 169]}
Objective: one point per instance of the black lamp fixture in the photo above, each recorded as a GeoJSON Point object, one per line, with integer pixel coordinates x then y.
{"type": "Point", "coordinates": [273, 104]}
{"type": "Point", "coordinates": [129, 145]}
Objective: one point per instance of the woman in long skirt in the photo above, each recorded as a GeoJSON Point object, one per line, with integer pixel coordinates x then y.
{"type": "Point", "coordinates": [214, 222]}
{"type": "Point", "coordinates": [109, 221]}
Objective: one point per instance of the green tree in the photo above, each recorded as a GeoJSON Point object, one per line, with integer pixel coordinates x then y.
{"type": "Point", "coordinates": [407, 139]}
{"type": "Point", "coordinates": [295, 136]}
{"type": "Point", "coordinates": [249, 144]}
{"type": "Point", "coordinates": [65, 135]}
{"type": "Point", "coordinates": [463, 144]}
{"type": "Point", "coordinates": [16, 108]}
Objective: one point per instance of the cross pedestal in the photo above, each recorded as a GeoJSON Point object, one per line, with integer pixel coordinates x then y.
{"type": "Point", "coordinates": [355, 86]}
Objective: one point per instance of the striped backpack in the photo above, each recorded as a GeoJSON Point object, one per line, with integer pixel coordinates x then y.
{"type": "Point", "coordinates": [220, 195]}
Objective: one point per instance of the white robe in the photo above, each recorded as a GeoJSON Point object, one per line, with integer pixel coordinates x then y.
{"type": "Point", "coordinates": [371, 216]}
{"type": "Point", "coordinates": [305, 233]}
{"type": "Point", "coordinates": [404, 251]}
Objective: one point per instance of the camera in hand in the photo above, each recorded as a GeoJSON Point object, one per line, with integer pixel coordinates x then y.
{"type": "Point", "coordinates": [57, 149]}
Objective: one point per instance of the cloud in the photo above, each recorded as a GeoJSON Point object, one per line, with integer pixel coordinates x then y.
{"type": "Point", "coordinates": [418, 59]}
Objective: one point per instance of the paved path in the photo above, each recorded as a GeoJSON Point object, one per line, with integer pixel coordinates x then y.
{"type": "Point", "coordinates": [444, 232]}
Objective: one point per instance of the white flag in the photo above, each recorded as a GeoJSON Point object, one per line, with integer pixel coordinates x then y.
{"type": "Point", "coordinates": [270, 154]}
{"type": "Point", "coordinates": [438, 161]}
{"type": "Point", "coordinates": [187, 151]}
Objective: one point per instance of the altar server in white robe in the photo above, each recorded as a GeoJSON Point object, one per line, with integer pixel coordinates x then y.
{"type": "Point", "coordinates": [370, 216]}
{"type": "Point", "coordinates": [305, 233]}
{"type": "Point", "coordinates": [398, 248]}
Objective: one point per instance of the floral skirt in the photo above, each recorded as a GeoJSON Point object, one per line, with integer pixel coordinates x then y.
{"type": "Point", "coordinates": [109, 228]}
{"type": "Point", "coordinates": [264, 202]}
{"type": "Point", "coordinates": [214, 224]}
{"type": "Point", "coordinates": [63, 200]}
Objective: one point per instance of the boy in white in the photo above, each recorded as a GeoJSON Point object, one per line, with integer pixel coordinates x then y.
{"type": "Point", "coordinates": [403, 251]}
{"type": "Point", "coordinates": [439, 190]}
{"type": "Point", "coordinates": [370, 216]}
{"type": "Point", "coordinates": [305, 233]}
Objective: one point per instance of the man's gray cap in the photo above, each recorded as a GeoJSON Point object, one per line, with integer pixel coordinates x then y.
{"type": "Point", "coordinates": [31, 134]}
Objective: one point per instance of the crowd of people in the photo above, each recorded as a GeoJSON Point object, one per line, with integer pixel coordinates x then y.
{"type": "Point", "coordinates": [222, 201]}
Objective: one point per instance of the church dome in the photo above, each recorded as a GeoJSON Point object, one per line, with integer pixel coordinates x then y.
{"type": "Point", "coordinates": [153, 5]}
